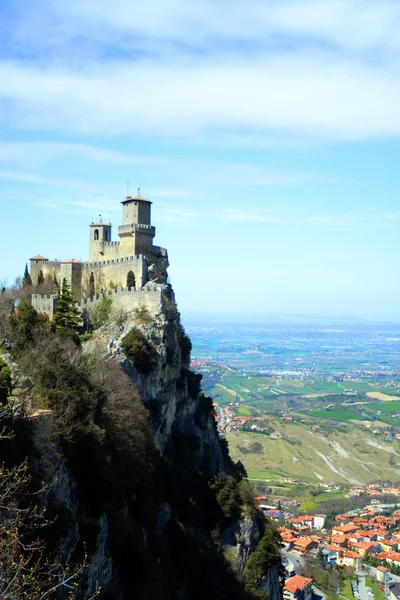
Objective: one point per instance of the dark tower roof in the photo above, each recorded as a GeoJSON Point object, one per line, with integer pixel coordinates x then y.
{"type": "Point", "coordinates": [135, 199]}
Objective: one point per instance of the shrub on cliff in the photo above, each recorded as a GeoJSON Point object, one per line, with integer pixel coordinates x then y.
{"type": "Point", "coordinates": [101, 312]}
{"type": "Point", "coordinates": [266, 555]}
{"type": "Point", "coordinates": [5, 381]}
{"type": "Point", "coordinates": [140, 351]}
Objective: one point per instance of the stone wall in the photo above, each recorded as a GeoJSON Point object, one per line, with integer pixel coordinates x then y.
{"type": "Point", "coordinates": [108, 250]}
{"type": "Point", "coordinates": [45, 303]}
{"type": "Point", "coordinates": [116, 271]}
{"type": "Point", "coordinates": [127, 299]}
{"type": "Point", "coordinates": [49, 268]}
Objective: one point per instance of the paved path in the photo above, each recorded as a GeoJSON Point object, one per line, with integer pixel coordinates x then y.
{"type": "Point", "coordinates": [361, 586]}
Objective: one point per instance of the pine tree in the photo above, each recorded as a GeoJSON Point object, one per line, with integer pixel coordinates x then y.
{"type": "Point", "coordinates": [130, 279]}
{"type": "Point", "coordinates": [40, 279]}
{"type": "Point", "coordinates": [67, 314]}
{"type": "Point", "coordinates": [27, 280]}
{"type": "Point", "coordinates": [55, 281]}
{"type": "Point", "coordinates": [91, 285]}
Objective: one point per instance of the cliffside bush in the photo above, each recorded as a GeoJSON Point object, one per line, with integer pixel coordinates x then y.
{"type": "Point", "coordinates": [5, 381]}
{"type": "Point", "coordinates": [140, 352]}
{"type": "Point", "coordinates": [101, 312]}
{"type": "Point", "coordinates": [266, 555]}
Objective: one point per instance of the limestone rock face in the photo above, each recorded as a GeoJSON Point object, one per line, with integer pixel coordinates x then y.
{"type": "Point", "coordinates": [270, 584]}
{"type": "Point", "coordinates": [179, 417]}
{"type": "Point", "coordinates": [239, 540]}
{"type": "Point", "coordinates": [20, 383]}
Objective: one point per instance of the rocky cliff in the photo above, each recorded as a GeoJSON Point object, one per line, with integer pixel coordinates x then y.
{"type": "Point", "coordinates": [136, 474]}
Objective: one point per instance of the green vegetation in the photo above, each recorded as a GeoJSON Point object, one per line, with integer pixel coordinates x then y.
{"type": "Point", "coordinates": [101, 312]}
{"type": "Point", "coordinates": [67, 314]}
{"type": "Point", "coordinates": [142, 315]}
{"type": "Point", "coordinates": [336, 415]}
{"type": "Point", "coordinates": [130, 279]}
{"type": "Point", "coordinates": [27, 280]}
{"type": "Point", "coordinates": [243, 411]}
{"type": "Point", "coordinates": [378, 594]}
{"type": "Point", "coordinates": [5, 382]}
{"type": "Point", "coordinates": [139, 350]}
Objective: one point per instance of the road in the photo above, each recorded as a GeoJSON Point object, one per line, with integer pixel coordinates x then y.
{"type": "Point", "coordinates": [361, 586]}
{"type": "Point", "coordinates": [298, 562]}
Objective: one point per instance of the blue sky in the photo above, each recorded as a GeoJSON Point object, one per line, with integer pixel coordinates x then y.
{"type": "Point", "coordinates": [266, 134]}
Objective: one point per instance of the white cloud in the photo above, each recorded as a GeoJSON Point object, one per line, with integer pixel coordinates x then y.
{"type": "Point", "coordinates": [298, 95]}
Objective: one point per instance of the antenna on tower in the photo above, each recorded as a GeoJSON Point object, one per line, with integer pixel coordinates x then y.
{"type": "Point", "coordinates": [127, 188]}
{"type": "Point", "coordinates": [138, 191]}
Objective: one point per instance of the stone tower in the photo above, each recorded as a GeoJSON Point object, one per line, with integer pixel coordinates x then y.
{"type": "Point", "coordinates": [100, 236]}
{"type": "Point", "coordinates": [136, 232]}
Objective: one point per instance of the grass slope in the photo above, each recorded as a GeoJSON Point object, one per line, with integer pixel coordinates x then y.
{"type": "Point", "coordinates": [311, 454]}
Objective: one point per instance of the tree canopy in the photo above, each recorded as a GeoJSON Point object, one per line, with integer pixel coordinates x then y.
{"type": "Point", "coordinates": [67, 314]}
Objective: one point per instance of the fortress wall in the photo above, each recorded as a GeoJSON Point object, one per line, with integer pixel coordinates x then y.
{"type": "Point", "coordinates": [49, 268]}
{"type": "Point", "coordinates": [45, 303]}
{"type": "Point", "coordinates": [117, 270]}
{"type": "Point", "coordinates": [72, 272]}
{"type": "Point", "coordinates": [109, 250]}
{"type": "Point", "coordinates": [126, 299]}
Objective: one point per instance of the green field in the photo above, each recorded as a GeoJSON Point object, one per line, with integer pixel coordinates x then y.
{"type": "Point", "coordinates": [336, 415]}
{"type": "Point", "coordinates": [388, 407]}
{"type": "Point", "coordinates": [243, 411]}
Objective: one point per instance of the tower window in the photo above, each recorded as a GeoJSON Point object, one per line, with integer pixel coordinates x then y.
{"type": "Point", "coordinates": [106, 235]}
{"type": "Point", "coordinates": [96, 234]}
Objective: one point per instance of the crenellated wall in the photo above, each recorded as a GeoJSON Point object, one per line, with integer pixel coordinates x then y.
{"type": "Point", "coordinates": [127, 299]}
{"type": "Point", "coordinates": [45, 303]}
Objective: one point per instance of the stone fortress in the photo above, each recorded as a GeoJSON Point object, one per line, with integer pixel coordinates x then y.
{"type": "Point", "coordinates": [109, 263]}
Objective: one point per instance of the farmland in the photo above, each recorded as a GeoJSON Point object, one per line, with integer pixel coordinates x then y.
{"type": "Point", "coordinates": [305, 403]}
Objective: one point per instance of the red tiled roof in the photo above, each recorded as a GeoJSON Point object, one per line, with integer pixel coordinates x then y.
{"type": "Point", "coordinates": [297, 583]}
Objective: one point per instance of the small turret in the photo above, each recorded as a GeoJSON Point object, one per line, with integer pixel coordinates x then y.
{"type": "Point", "coordinates": [100, 233]}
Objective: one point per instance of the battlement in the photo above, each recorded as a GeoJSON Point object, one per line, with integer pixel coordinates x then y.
{"type": "Point", "coordinates": [101, 243]}
{"type": "Point", "coordinates": [44, 296]}
{"type": "Point", "coordinates": [112, 261]}
{"type": "Point", "coordinates": [136, 227]}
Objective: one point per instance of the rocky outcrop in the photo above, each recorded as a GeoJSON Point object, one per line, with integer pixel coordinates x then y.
{"type": "Point", "coordinates": [163, 522]}
{"type": "Point", "coordinates": [271, 584]}
{"type": "Point", "coordinates": [239, 540]}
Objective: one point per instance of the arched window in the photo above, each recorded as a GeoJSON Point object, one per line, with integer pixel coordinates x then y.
{"type": "Point", "coordinates": [96, 234]}
{"type": "Point", "coordinates": [106, 235]}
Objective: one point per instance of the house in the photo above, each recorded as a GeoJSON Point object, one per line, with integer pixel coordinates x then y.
{"type": "Point", "coordinates": [304, 544]}
{"type": "Point", "coordinates": [363, 547]}
{"type": "Point", "coordinates": [342, 529]}
{"type": "Point", "coordinates": [298, 588]}
{"type": "Point", "coordinates": [389, 545]}
{"type": "Point", "coordinates": [319, 521]}
{"type": "Point", "coordinates": [338, 539]}
{"type": "Point", "coordinates": [347, 558]}
{"type": "Point", "coordinates": [381, 574]}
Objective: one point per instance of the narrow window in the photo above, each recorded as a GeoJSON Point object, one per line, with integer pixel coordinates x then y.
{"type": "Point", "coordinates": [96, 234]}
